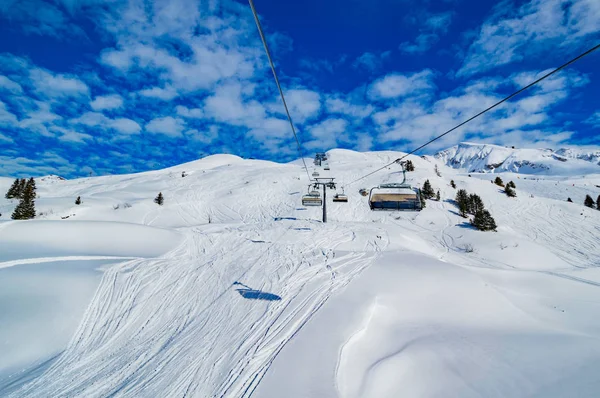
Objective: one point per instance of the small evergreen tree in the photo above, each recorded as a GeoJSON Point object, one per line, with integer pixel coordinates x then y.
{"type": "Point", "coordinates": [474, 204]}
{"type": "Point", "coordinates": [452, 184]}
{"type": "Point", "coordinates": [21, 189]}
{"type": "Point", "coordinates": [462, 201]}
{"type": "Point", "coordinates": [159, 200]}
{"type": "Point", "coordinates": [509, 191]}
{"type": "Point", "coordinates": [437, 196]}
{"type": "Point", "coordinates": [428, 191]}
{"type": "Point", "coordinates": [78, 200]}
{"type": "Point", "coordinates": [569, 200]}
{"type": "Point", "coordinates": [437, 171]}
{"type": "Point", "coordinates": [409, 166]}
{"type": "Point", "coordinates": [589, 202]}
{"type": "Point", "coordinates": [422, 199]}
{"type": "Point", "coordinates": [511, 184]}
{"type": "Point", "coordinates": [484, 221]}
{"type": "Point", "coordinates": [25, 210]}
{"type": "Point", "coordinates": [13, 191]}
{"type": "Point", "coordinates": [498, 181]}
{"type": "Point", "coordinates": [31, 183]}
{"type": "Point", "coordinates": [598, 203]}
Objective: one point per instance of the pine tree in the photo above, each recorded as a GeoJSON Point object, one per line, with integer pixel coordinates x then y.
{"type": "Point", "coordinates": [462, 201]}
{"type": "Point", "coordinates": [78, 200]}
{"type": "Point", "coordinates": [511, 184]}
{"type": "Point", "coordinates": [484, 221]}
{"type": "Point", "coordinates": [422, 199]}
{"type": "Point", "coordinates": [437, 196]}
{"type": "Point", "coordinates": [569, 200]}
{"type": "Point", "coordinates": [159, 200]}
{"type": "Point", "coordinates": [475, 204]}
{"type": "Point", "coordinates": [32, 183]}
{"type": "Point", "coordinates": [409, 166]}
{"type": "Point", "coordinates": [589, 202]}
{"type": "Point", "coordinates": [598, 203]}
{"type": "Point", "coordinates": [509, 191]}
{"type": "Point", "coordinates": [452, 184]}
{"type": "Point", "coordinates": [13, 191]}
{"type": "Point", "coordinates": [25, 210]}
{"type": "Point", "coordinates": [428, 191]}
{"type": "Point", "coordinates": [437, 171]}
{"type": "Point", "coordinates": [22, 185]}
{"type": "Point", "coordinates": [498, 181]}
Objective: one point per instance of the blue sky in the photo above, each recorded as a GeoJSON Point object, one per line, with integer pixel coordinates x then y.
{"type": "Point", "coordinates": [119, 86]}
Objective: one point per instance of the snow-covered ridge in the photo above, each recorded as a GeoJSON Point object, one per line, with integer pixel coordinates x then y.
{"type": "Point", "coordinates": [488, 158]}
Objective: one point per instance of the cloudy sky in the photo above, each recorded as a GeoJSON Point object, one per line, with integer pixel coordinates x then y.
{"type": "Point", "coordinates": [118, 86]}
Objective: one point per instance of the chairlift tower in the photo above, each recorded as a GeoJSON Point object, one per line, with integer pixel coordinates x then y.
{"type": "Point", "coordinates": [325, 183]}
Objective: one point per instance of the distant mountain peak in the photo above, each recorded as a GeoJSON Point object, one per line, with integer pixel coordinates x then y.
{"type": "Point", "coordinates": [489, 158]}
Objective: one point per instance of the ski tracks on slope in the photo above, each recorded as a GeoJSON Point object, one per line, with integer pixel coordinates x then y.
{"type": "Point", "coordinates": [176, 326]}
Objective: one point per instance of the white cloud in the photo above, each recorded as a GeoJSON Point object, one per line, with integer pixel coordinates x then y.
{"type": "Point", "coordinates": [39, 120]}
{"type": "Point", "coordinates": [97, 119]}
{"type": "Point", "coordinates": [167, 125]}
{"type": "Point", "coordinates": [6, 139]}
{"type": "Point", "coordinates": [227, 105]}
{"type": "Point", "coordinates": [9, 85]}
{"type": "Point", "coordinates": [413, 122]}
{"type": "Point", "coordinates": [101, 102]}
{"type": "Point", "coordinates": [191, 113]}
{"type": "Point", "coordinates": [431, 26]}
{"type": "Point", "coordinates": [73, 136]}
{"type": "Point", "coordinates": [166, 94]}
{"type": "Point", "coordinates": [57, 85]}
{"type": "Point", "coordinates": [511, 34]}
{"type": "Point", "coordinates": [370, 61]}
{"type": "Point", "coordinates": [204, 137]}
{"type": "Point", "coordinates": [40, 18]}
{"type": "Point", "coordinates": [328, 133]}
{"type": "Point", "coordinates": [400, 85]}
{"type": "Point", "coordinates": [594, 120]}
{"type": "Point", "coordinates": [303, 104]}
{"type": "Point", "coordinates": [125, 126]}
{"type": "Point", "coordinates": [6, 117]}
{"type": "Point", "coordinates": [355, 111]}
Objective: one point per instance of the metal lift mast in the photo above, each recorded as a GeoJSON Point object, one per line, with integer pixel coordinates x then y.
{"type": "Point", "coordinates": [325, 183]}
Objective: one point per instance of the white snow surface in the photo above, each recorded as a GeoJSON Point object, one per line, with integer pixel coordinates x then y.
{"type": "Point", "coordinates": [233, 289]}
{"type": "Point", "coordinates": [486, 158]}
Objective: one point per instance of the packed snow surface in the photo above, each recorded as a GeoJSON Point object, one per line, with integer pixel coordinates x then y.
{"type": "Point", "coordinates": [233, 289]}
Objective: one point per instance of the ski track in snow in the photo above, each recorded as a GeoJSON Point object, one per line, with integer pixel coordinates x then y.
{"type": "Point", "coordinates": [40, 260]}
{"type": "Point", "coordinates": [150, 315]}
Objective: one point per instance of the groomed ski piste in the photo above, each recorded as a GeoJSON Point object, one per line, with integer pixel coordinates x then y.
{"type": "Point", "coordinates": [233, 289]}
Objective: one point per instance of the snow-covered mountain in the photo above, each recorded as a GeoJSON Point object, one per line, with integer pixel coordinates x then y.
{"type": "Point", "coordinates": [233, 289]}
{"type": "Point", "coordinates": [487, 158]}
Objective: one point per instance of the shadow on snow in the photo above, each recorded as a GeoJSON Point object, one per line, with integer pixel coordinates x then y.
{"type": "Point", "coordinates": [253, 294]}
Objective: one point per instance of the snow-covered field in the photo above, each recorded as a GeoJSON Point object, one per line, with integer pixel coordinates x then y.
{"type": "Point", "coordinates": [233, 289]}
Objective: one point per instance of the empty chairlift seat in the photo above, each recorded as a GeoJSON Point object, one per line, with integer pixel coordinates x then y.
{"type": "Point", "coordinates": [394, 197]}
{"type": "Point", "coordinates": [313, 198]}
{"type": "Point", "coordinates": [340, 197]}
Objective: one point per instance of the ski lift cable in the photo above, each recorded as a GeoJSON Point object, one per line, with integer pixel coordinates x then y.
{"type": "Point", "coordinates": [482, 112]}
{"type": "Point", "coordinates": [264, 42]}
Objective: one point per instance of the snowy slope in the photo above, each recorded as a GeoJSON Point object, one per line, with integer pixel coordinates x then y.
{"type": "Point", "coordinates": [233, 289]}
{"type": "Point", "coordinates": [487, 158]}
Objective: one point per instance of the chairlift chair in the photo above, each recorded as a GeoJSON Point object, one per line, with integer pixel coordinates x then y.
{"type": "Point", "coordinates": [340, 197]}
{"type": "Point", "coordinates": [312, 198]}
{"type": "Point", "coordinates": [394, 197]}
{"type": "Point", "coordinates": [326, 167]}
{"type": "Point", "coordinates": [315, 174]}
